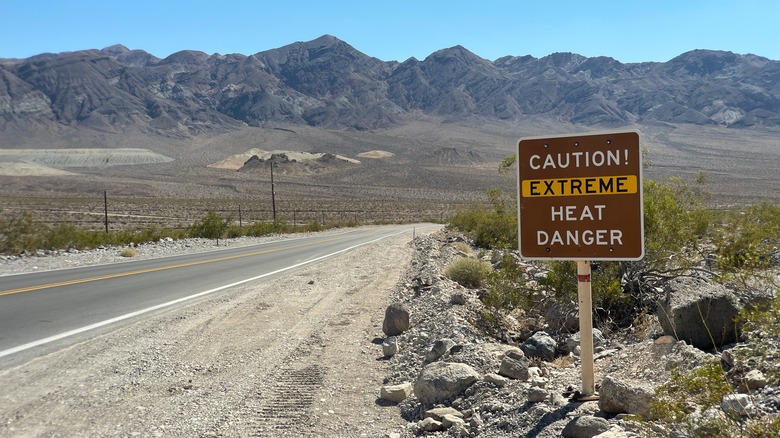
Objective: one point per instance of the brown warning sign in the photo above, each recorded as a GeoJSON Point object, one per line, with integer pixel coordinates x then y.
{"type": "Point", "coordinates": [580, 197]}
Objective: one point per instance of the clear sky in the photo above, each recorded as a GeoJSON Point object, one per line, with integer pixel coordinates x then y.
{"type": "Point", "coordinates": [627, 30]}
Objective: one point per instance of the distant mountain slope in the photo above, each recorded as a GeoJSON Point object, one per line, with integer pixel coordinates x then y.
{"type": "Point", "coordinates": [328, 83]}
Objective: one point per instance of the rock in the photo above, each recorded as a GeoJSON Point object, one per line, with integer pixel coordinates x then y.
{"type": "Point", "coordinates": [536, 395]}
{"type": "Point", "coordinates": [540, 345]}
{"type": "Point", "coordinates": [449, 420]}
{"type": "Point", "coordinates": [396, 319]}
{"type": "Point", "coordinates": [585, 427]}
{"type": "Point", "coordinates": [439, 348]}
{"type": "Point", "coordinates": [476, 421]}
{"type": "Point", "coordinates": [390, 346]}
{"type": "Point", "coordinates": [430, 425]}
{"type": "Point", "coordinates": [395, 393]}
{"type": "Point", "coordinates": [440, 381]}
{"type": "Point", "coordinates": [573, 341]}
{"type": "Point", "coordinates": [665, 340]}
{"type": "Point", "coordinates": [563, 315]}
{"type": "Point", "coordinates": [616, 397]}
{"type": "Point", "coordinates": [753, 380]}
{"type": "Point", "coordinates": [514, 365]}
{"type": "Point", "coordinates": [699, 313]}
{"type": "Point", "coordinates": [614, 432]}
{"type": "Point", "coordinates": [738, 405]}
{"type": "Point", "coordinates": [439, 413]}
{"type": "Point", "coordinates": [495, 379]}
{"type": "Point", "coordinates": [459, 298]}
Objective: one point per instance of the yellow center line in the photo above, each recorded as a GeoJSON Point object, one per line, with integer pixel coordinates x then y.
{"type": "Point", "coordinates": [162, 268]}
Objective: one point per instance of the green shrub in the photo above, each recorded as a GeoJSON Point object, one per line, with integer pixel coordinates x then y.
{"type": "Point", "coordinates": [507, 289]}
{"type": "Point", "coordinates": [704, 386]}
{"type": "Point", "coordinates": [746, 241]}
{"type": "Point", "coordinates": [761, 327]}
{"type": "Point", "coordinates": [210, 226]}
{"type": "Point", "coordinates": [20, 233]}
{"type": "Point", "coordinates": [611, 305]}
{"type": "Point", "coordinates": [468, 272]}
{"type": "Point", "coordinates": [699, 390]}
{"type": "Point", "coordinates": [490, 229]}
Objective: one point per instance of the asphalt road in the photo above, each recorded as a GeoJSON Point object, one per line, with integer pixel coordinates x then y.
{"type": "Point", "coordinates": [44, 311]}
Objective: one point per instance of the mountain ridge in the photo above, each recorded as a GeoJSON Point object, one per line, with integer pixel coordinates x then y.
{"type": "Point", "coordinates": [328, 83]}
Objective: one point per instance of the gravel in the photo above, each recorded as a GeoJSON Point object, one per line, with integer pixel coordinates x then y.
{"type": "Point", "coordinates": [302, 355]}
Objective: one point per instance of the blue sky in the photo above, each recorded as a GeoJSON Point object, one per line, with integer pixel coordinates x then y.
{"type": "Point", "coordinates": [629, 31]}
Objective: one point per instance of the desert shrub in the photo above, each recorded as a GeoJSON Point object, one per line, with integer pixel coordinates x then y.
{"type": "Point", "coordinates": [210, 226]}
{"type": "Point", "coordinates": [468, 272]}
{"type": "Point", "coordinates": [463, 247]}
{"type": "Point", "coordinates": [700, 389]}
{"type": "Point", "coordinates": [746, 241]}
{"type": "Point", "coordinates": [611, 306]}
{"type": "Point", "coordinates": [313, 226]}
{"type": "Point", "coordinates": [675, 218]}
{"type": "Point", "coordinates": [761, 328]}
{"type": "Point", "coordinates": [67, 235]}
{"type": "Point", "coordinates": [507, 289]}
{"type": "Point", "coordinates": [20, 233]}
{"type": "Point", "coordinates": [490, 229]}
{"type": "Point", "coordinates": [128, 252]}
{"type": "Point", "coordinates": [704, 386]}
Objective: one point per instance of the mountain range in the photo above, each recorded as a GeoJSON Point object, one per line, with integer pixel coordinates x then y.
{"type": "Point", "coordinates": [329, 84]}
{"type": "Point", "coordinates": [428, 134]}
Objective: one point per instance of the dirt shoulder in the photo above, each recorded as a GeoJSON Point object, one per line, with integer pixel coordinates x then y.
{"type": "Point", "coordinates": [294, 356]}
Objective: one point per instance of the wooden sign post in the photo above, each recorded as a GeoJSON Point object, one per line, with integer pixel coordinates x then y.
{"type": "Point", "coordinates": [580, 198]}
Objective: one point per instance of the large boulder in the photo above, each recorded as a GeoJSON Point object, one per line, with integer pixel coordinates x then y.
{"type": "Point", "coordinates": [618, 397]}
{"type": "Point", "coordinates": [441, 381]}
{"type": "Point", "coordinates": [396, 319]}
{"type": "Point", "coordinates": [699, 313]}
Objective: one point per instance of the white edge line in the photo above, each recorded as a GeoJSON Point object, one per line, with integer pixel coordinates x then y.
{"type": "Point", "coordinates": [77, 331]}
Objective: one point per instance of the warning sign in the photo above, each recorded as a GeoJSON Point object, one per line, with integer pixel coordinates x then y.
{"type": "Point", "coordinates": [580, 197]}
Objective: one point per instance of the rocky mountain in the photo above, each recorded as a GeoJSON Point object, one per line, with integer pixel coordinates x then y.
{"type": "Point", "coordinates": [328, 83]}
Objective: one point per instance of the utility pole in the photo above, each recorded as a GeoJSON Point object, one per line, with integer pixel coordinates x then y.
{"type": "Point", "coordinates": [105, 208]}
{"type": "Point", "coordinates": [273, 194]}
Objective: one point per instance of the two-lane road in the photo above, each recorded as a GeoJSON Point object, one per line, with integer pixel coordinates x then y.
{"type": "Point", "coordinates": [43, 311]}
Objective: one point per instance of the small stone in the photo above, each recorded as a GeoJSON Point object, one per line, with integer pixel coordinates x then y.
{"type": "Point", "coordinates": [754, 379]}
{"type": "Point", "coordinates": [738, 404]}
{"type": "Point", "coordinates": [438, 350]}
{"type": "Point", "coordinates": [665, 339]}
{"type": "Point", "coordinates": [585, 427]}
{"type": "Point", "coordinates": [430, 425]}
{"type": "Point", "coordinates": [448, 421]}
{"type": "Point", "coordinates": [395, 393]}
{"type": "Point", "coordinates": [390, 346]}
{"type": "Point", "coordinates": [439, 413]}
{"type": "Point", "coordinates": [536, 395]}
{"type": "Point", "coordinates": [458, 298]}
{"type": "Point", "coordinates": [495, 379]}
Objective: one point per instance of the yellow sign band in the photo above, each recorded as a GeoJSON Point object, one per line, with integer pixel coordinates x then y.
{"type": "Point", "coordinates": [583, 186]}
